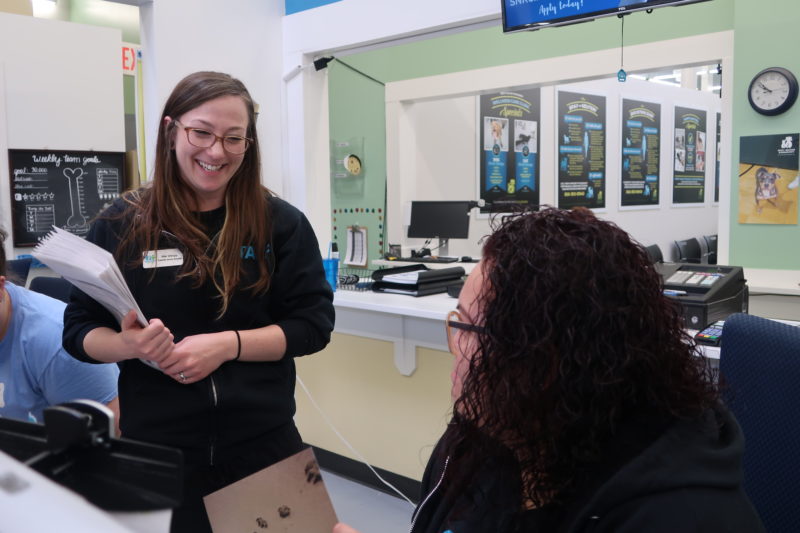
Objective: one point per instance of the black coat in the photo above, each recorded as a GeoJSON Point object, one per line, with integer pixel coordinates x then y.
{"type": "Point", "coordinates": [241, 403]}
{"type": "Point", "coordinates": [687, 479]}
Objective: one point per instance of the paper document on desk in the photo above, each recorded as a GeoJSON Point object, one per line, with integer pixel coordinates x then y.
{"type": "Point", "coordinates": [90, 268]}
{"type": "Point", "coordinates": [417, 277]}
{"type": "Point", "coordinates": [407, 278]}
{"type": "Point", "coordinates": [288, 496]}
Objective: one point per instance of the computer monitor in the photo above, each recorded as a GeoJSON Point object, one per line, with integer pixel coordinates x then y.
{"type": "Point", "coordinates": [445, 220]}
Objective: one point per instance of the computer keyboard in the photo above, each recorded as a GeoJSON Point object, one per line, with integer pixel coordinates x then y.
{"type": "Point", "coordinates": [429, 259]}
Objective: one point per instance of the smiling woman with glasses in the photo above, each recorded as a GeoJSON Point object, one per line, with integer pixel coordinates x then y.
{"type": "Point", "coordinates": [231, 279]}
{"type": "Point", "coordinates": [580, 402]}
{"type": "Point", "coordinates": [201, 138]}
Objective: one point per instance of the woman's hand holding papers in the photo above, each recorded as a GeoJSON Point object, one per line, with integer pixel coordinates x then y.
{"type": "Point", "coordinates": [151, 343]}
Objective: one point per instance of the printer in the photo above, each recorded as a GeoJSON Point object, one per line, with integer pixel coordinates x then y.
{"type": "Point", "coordinates": [706, 293]}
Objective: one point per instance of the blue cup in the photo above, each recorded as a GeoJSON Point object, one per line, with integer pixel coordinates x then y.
{"type": "Point", "coordinates": [331, 267]}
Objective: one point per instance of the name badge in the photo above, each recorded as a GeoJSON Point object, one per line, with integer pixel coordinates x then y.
{"type": "Point", "coordinates": [162, 258]}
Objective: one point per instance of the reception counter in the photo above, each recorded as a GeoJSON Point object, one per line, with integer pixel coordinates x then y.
{"type": "Point", "coordinates": [384, 381]}
{"type": "Point", "coordinates": [405, 321]}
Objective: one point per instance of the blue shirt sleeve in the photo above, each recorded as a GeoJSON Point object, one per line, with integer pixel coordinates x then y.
{"type": "Point", "coordinates": [65, 379]}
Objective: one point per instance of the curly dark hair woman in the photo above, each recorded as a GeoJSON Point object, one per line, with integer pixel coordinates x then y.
{"type": "Point", "coordinates": [580, 401]}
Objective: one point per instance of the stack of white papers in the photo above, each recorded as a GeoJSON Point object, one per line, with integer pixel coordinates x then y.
{"type": "Point", "coordinates": [90, 268]}
{"type": "Point", "coordinates": [407, 278]}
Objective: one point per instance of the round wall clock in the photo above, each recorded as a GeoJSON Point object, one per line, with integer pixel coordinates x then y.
{"type": "Point", "coordinates": [352, 164]}
{"type": "Point", "coordinates": [773, 91]}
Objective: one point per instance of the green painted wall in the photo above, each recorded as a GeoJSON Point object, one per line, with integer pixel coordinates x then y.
{"type": "Point", "coordinates": [357, 111]}
{"type": "Point", "coordinates": [129, 87]}
{"type": "Point", "coordinates": [765, 36]}
{"type": "Point", "coordinates": [357, 106]}
{"type": "Point", "coordinates": [489, 47]}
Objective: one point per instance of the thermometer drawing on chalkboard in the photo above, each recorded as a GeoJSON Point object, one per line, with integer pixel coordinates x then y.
{"type": "Point", "coordinates": [75, 178]}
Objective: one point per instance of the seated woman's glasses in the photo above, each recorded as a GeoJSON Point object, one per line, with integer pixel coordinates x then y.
{"type": "Point", "coordinates": [454, 321]}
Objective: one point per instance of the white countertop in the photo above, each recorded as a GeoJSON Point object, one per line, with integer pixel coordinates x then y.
{"type": "Point", "coordinates": [435, 306]}
{"type": "Point", "coordinates": [759, 280]}
{"type": "Point", "coordinates": [403, 307]}
{"type": "Point", "coordinates": [762, 280]}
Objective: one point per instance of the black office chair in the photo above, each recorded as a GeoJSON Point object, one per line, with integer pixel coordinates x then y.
{"type": "Point", "coordinates": [654, 253]}
{"type": "Point", "coordinates": [17, 270]}
{"type": "Point", "coordinates": [57, 288]}
{"type": "Point", "coordinates": [760, 369]}
{"type": "Point", "coordinates": [711, 249]}
{"type": "Point", "coordinates": [689, 251]}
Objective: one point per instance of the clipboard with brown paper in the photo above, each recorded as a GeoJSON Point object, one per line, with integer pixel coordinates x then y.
{"type": "Point", "coordinates": [356, 246]}
{"type": "Point", "coordinates": [288, 497]}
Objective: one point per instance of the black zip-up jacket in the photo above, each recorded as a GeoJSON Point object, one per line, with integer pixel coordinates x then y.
{"type": "Point", "coordinates": [240, 403]}
{"type": "Point", "coordinates": [686, 479]}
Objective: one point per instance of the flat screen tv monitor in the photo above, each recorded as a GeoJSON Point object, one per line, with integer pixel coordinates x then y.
{"type": "Point", "coordinates": [445, 220]}
{"type": "Point", "coordinates": [521, 15]}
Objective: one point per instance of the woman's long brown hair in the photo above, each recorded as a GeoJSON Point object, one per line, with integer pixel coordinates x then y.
{"type": "Point", "coordinates": [169, 204]}
{"type": "Point", "coordinates": [579, 340]}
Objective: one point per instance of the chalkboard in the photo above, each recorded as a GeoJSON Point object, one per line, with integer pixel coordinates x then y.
{"type": "Point", "coordinates": [61, 188]}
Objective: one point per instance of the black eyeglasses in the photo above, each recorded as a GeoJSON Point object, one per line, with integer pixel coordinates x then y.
{"type": "Point", "coordinates": [454, 321]}
{"type": "Point", "coordinates": [233, 144]}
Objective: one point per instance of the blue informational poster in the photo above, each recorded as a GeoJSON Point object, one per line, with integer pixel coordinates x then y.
{"type": "Point", "coordinates": [532, 14]}
{"type": "Point", "coordinates": [509, 148]}
{"type": "Point", "coordinates": [689, 168]}
{"type": "Point", "coordinates": [581, 150]}
{"type": "Point", "coordinates": [641, 153]}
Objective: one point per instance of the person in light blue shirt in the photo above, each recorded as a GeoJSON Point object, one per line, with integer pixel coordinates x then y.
{"type": "Point", "coordinates": [35, 371]}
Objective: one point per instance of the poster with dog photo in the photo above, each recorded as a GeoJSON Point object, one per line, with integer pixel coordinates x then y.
{"type": "Point", "coordinates": [509, 149]}
{"type": "Point", "coordinates": [768, 179]}
{"type": "Point", "coordinates": [689, 168]}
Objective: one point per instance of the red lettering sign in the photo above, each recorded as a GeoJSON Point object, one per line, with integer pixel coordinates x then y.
{"type": "Point", "coordinates": [128, 59]}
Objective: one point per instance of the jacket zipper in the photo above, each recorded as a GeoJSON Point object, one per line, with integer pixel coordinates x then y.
{"type": "Point", "coordinates": [214, 403]}
{"type": "Point", "coordinates": [428, 497]}
{"type": "Point", "coordinates": [214, 395]}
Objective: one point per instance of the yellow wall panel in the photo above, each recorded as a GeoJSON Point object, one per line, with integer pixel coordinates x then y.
{"type": "Point", "coordinates": [393, 420]}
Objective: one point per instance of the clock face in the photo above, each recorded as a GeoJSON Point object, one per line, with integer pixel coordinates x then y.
{"type": "Point", "coordinates": [353, 164]}
{"type": "Point", "coordinates": [773, 91]}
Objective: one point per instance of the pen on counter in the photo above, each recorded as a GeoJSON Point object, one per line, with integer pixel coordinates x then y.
{"type": "Point", "coordinates": [671, 292]}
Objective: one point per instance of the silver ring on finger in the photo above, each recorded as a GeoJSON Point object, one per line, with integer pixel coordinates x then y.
{"type": "Point", "coordinates": [182, 376]}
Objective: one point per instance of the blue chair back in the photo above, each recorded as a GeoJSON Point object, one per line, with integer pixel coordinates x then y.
{"type": "Point", "coordinates": [760, 372]}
